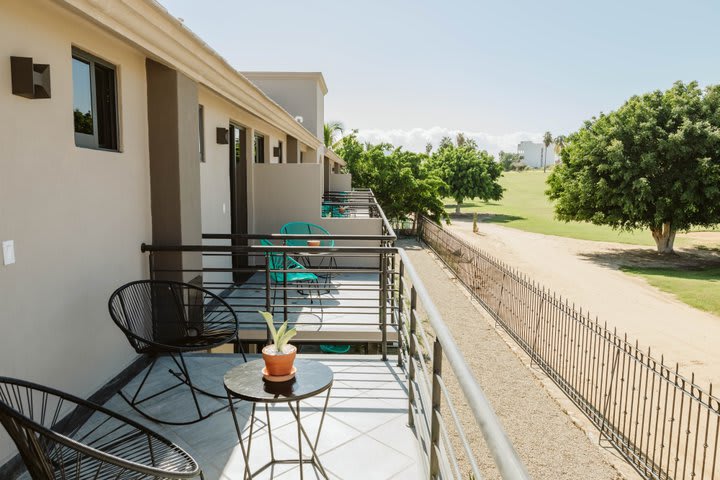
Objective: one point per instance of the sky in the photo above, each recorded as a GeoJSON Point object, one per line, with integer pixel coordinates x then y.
{"type": "Point", "coordinates": [412, 71]}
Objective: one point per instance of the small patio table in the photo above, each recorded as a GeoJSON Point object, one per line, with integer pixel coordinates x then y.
{"type": "Point", "coordinates": [246, 382]}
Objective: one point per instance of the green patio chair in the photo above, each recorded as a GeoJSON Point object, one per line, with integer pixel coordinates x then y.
{"type": "Point", "coordinates": [298, 275]}
{"type": "Point", "coordinates": [306, 228]}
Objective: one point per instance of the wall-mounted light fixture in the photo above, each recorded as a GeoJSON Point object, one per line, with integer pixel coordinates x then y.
{"type": "Point", "coordinates": [222, 135]}
{"type": "Point", "coordinates": [29, 80]}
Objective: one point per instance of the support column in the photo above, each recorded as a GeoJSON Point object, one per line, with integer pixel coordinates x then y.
{"type": "Point", "coordinates": [293, 150]}
{"type": "Point", "coordinates": [174, 169]}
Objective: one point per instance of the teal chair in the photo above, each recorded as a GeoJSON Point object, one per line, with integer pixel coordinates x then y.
{"type": "Point", "coordinates": [298, 275]}
{"type": "Point", "coordinates": [306, 228]}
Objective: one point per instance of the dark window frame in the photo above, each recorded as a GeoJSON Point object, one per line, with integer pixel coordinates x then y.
{"type": "Point", "coordinates": [201, 133]}
{"type": "Point", "coordinates": [259, 148]}
{"type": "Point", "coordinates": [105, 115]}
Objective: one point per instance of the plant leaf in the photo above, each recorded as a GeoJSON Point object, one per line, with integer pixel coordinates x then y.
{"type": "Point", "coordinates": [279, 342]}
{"type": "Point", "coordinates": [271, 324]}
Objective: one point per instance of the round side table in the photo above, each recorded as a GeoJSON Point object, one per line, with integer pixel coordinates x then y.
{"type": "Point", "coordinates": [247, 383]}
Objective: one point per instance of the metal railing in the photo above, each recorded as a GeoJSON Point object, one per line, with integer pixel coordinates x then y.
{"type": "Point", "coordinates": [661, 422]}
{"type": "Point", "coordinates": [354, 204]}
{"type": "Point", "coordinates": [345, 296]}
{"type": "Point", "coordinates": [423, 353]}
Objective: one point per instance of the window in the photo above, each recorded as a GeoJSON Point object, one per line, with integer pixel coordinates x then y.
{"type": "Point", "coordinates": [259, 148]}
{"type": "Point", "coordinates": [201, 132]}
{"type": "Point", "coordinates": [278, 151]}
{"type": "Point", "coordinates": [94, 102]}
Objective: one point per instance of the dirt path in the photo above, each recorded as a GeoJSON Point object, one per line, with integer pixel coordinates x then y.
{"type": "Point", "coordinates": [587, 273]}
{"type": "Point", "coordinates": [549, 443]}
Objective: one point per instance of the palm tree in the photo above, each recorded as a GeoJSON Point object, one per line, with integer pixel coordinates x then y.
{"type": "Point", "coordinates": [330, 133]}
{"type": "Point", "coordinates": [547, 140]}
{"type": "Point", "coordinates": [559, 144]}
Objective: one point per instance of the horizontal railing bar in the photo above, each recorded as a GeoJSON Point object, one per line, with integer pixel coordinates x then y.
{"type": "Point", "coordinates": [264, 248]}
{"type": "Point", "coordinates": [296, 236]}
{"type": "Point", "coordinates": [458, 426]}
{"type": "Point", "coordinates": [444, 434]}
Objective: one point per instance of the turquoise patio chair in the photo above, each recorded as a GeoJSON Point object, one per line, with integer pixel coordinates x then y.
{"type": "Point", "coordinates": [298, 275]}
{"type": "Point", "coordinates": [306, 228]}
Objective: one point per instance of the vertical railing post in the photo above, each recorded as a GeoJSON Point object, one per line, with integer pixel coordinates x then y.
{"type": "Point", "coordinates": [383, 304]}
{"type": "Point", "coordinates": [411, 356]}
{"type": "Point", "coordinates": [400, 311]}
{"type": "Point", "coordinates": [436, 398]}
{"type": "Point", "coordinates": [151, 265]}
{"type": "Point", "coordinates": [269, 307]}
{"type": "Point", "coordinates": [285, 290]}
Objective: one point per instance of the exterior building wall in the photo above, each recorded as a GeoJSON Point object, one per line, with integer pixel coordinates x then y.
{"type": "Point", "coordinates": [300, 96]}
{"type": "Point", "coordinates": [532, 154]}
{"type": "Point", "coordinates": [77, 216]}
{"type": "Point", "coordinates": [340, 182]}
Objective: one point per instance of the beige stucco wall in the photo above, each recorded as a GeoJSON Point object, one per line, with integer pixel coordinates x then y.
{"type": "Point", "coordinates": [340, 182]}
{"type": "Point", "coordinates": [278, 190]}
{"type": "Point", "coordinates": [77, 216]}
{"type": "Point", "coordinates": [299, 96]}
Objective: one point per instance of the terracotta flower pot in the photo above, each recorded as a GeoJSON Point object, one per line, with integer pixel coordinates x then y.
{"type": "Point", "coordinates": [278, 365]}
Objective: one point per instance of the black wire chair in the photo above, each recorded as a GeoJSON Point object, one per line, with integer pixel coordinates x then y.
{"type": "Point", "coordinates": [60, 436]}
{"type": "Point", "coordinates": [161, 317]}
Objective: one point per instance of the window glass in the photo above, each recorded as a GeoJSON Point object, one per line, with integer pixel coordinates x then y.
{"type": "Point", "coordinates": [94, 102]}
{"type": "Point", "coordinates": [82, 97]}
{"type": "Point", "coordinates": [259, 148]}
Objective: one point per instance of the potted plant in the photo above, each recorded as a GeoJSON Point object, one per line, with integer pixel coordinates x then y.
{"type": "Point", "coordinates": [280, 355]}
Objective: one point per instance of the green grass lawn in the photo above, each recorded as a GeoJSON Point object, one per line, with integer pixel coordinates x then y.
{"type": "Point", "coordinates": [525, 206]}
{"type": "Point", "coordinates": [698, 288]}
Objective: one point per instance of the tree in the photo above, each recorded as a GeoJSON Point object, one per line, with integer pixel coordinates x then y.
{"type": "Point", "coordinates": [468, 173]}
{"type": "Point", "coordinates": [510, 161]}
{"type": "Point", "coordinates": [653, 163]}
{"type": "Point", "coordinates": [401, 181]}
{"type": "Point", "coordinates": [331, 131]}
{"type": "Point", "coordinates": [547, 140]}
{"type": "Point", "coordinates": [559, 144]}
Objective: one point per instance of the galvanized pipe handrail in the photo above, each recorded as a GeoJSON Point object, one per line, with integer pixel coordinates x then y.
{"type": "Point", "coordinates": [281, 236]}
{"type": "Point", "coordinates": [504, 454]}
{"type": "Point", "coordinates": [260, 249]}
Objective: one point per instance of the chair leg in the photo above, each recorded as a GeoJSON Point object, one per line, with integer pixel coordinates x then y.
{"type": "Point", "coordinates": [136, 403]}
{"type": "Point", "coordinates": [184, 376]}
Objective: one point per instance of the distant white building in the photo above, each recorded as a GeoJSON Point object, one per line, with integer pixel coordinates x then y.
{"type": "Point", "coordinates": [532, 153]}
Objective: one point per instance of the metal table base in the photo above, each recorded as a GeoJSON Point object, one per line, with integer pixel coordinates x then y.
{"type": "Point", "coordinates": [314, 459]}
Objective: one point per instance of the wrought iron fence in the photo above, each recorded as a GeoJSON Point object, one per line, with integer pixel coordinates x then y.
{"type": "Point", "coordinates": [664, 424]}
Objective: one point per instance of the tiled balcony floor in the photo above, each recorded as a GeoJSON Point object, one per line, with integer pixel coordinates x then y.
{"type": "Point", "coordinates": [364, 436]}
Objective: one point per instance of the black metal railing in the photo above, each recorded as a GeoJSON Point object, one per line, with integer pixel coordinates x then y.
{"type": "Point", "coordinates": [353, 204]}
{"type": "Point", "coordinates": [332, 294]}
{"type": "Point", "coordinates": [664, 424]}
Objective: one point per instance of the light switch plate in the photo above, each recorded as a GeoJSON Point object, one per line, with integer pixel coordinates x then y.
{"type": "Point", "coordinates": [8, 248]}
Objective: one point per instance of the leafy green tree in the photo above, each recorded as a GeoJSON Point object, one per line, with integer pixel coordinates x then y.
{"type": "Point", "coordinates": [653, 163]}
{"type": "Point", "coordinates": [509, 161]}
{"type": "Point", "coordinates": [83, 122]}
{"type": "Point", "coordinates": [401, 181]}
{"type": "Point", "coordinates": [468, 173]}
{"type": "Point", "coordinates": [547, 140]}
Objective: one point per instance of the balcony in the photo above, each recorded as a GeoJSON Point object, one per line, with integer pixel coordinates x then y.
{"type": "Point", "coordinates": [367, 418]}
{"type": "Point", "coordinates": [391, 413]}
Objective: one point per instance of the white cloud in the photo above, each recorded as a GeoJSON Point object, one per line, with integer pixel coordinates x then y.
{"type": "Point", "coordinates": [415, 139]}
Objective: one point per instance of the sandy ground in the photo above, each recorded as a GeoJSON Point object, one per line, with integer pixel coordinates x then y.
{"type": "Point", "coordinates": [587, 273]}
{"type": "Point", "coordinates": [550, 443]}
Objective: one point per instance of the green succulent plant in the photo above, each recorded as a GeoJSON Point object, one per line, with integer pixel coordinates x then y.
{"type": "Point", "coordinates": [280, 336]}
